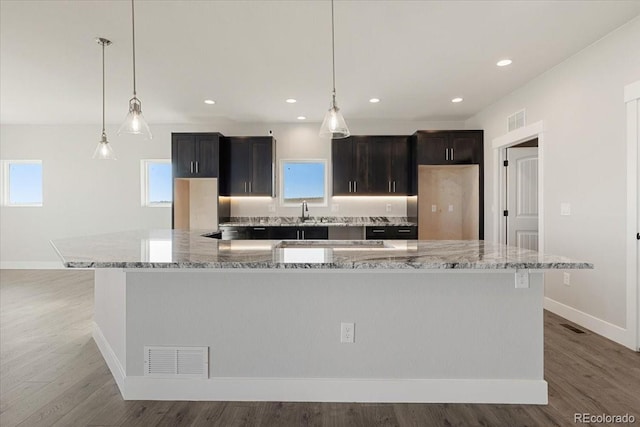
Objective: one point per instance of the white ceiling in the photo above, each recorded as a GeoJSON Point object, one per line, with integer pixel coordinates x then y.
{"type": "Point", "coordinates": [250, 56]}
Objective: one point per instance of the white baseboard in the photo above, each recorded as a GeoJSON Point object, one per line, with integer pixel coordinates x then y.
{"type": "Point", "coordinates": [109, 356]}
{"type": "Point", "coordinates": [339, 390]}
{"type": "Point", "coordinates": [322, 389]}
{"type": "Point", "coordinates": [31, 265]}
{"type": "Point", "coordinates": [601, 327]}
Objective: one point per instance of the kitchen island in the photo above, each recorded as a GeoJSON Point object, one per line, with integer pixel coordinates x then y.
{"type": "Point", "coordinates": [179, 316]}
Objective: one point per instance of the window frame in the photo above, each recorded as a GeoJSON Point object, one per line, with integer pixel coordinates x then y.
{"type": "Point", "coordinates": [6, 184]}
{"type": "Point", "coordinates": [325, 200]}
{"type": "Point", "coordinates": [144, 184]}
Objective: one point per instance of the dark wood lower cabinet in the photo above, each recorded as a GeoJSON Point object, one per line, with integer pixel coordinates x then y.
{"type": "Point", "coordinates": [275, 233]}
{"type": "Point", "coordinates": [392, 232]}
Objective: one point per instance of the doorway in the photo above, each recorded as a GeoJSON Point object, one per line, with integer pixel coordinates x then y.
{"type": "Point", "coordinates": [632, 101]}
{"type": "Point", "coordinates": [509, 145]}
{"type": "Point", "coordinates": [521, 191]}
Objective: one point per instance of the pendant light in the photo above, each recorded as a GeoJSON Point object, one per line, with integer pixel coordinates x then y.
{"type": "Point", "coordinates": [135, 123]}
{"type": "Point", "coordinates": [334, 125]}
{"type": "Point", "coordinates": [103, 150]}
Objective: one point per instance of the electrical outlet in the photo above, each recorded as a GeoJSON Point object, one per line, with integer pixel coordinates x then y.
{"type": "Point", "coordinates": [347, 333]}
{"type": "Point", "coordinates": [272, 207]}
{"type": "Point", "coordinates": [434, 208]}
{"type": "Point", "coordinates": [335, 208]}
{"type": "Point", "coordinates": [388, 207]}
{"type": "Point", "coordinates": [565, 209]}
{"type": "Point", "coordinates": [566, 279]}
{"type": "Point", "coordinates": [450, 208]}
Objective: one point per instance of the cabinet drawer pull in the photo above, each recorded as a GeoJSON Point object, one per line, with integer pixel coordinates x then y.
{"type": "Point", "coordinates": [259, 228]}
{"type": "Point", "coordinates": [404, 231]}
{"type": "Point", "coordinates": [230, 231]}
{"type": "Point", "coordinates": [378, 231]}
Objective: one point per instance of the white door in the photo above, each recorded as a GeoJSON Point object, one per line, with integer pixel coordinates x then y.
{"type": "Point", "coordinates": [522, 197]}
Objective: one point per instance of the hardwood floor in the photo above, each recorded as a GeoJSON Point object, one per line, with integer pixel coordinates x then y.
{"type": "Point", "coordinates": [52, 374]}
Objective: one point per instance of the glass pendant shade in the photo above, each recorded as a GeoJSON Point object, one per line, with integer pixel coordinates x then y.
{"type": "Point", "coordinates": [104, 150]}
{"type": "Point", "coordinates": [334, 125]}
{"type": "Point", "coordinates": [135, 123]}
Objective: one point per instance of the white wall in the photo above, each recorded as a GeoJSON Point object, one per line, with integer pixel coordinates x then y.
{"type": "Point", "coordinates": [581, 104]}
{"type": "Point", "coordinates": [84, 196]}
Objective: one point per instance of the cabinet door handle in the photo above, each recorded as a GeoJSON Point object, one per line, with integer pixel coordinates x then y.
{"type": "Point", "coordinates": [349, 186]}
{"type": "Point", "coordinates": [297, 234]}
{"type": "Point", "coordinates": [191, 167]}
{"type": "Point", "coordinates": [389, 186]}
{"type": "Point", "coordinates": [452, 154]}
{"type": "Point", "coordinates": [197, 167]}
{"type": "Point", "coordinates": [303, 235]}
{"type": "Point", "coordinates": [355, 186]}
{"type": "Point", "coordinates": [394, 186]}
{"type": "Point", "coordinates": [446, 154]}
{"type": "Point", "coordinates": [245, 186]}
{"type": "Point", "coordinates": [249, 186]}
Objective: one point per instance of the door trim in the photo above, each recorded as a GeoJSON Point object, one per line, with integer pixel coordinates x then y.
{"type": "Point", "coordinates": [535, 130]}
{"type": "Point", "coordinates": [632, 101]}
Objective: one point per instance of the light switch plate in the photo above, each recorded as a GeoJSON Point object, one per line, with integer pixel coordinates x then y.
{"type": "Point", "coordinates": [565, 209]}
{"type": "Point", "coordinates": [450, 208]}
{"type": "Point", "coordinates": [388, 207]}
{"type": "Point", "coordinates": [272, 207]}
{"type": "Point", "coordinates": [434, 208]}
{"type": "Point", "coordinates": [335, 208]}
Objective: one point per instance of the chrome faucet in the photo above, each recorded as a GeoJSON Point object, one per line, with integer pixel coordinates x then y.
{"type": "Point", "coordinates": [305, 208]}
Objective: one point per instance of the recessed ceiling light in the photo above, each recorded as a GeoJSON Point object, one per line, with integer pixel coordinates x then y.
{"type": "Point", "coordinates": [503, 62]}
{"type": "Point", "coordinates": [374, 100]}
{"type": "Point", "coordinates": [302, 118]}
{"type": "Point", "coordinates": [209, 101]}
{"type": "Point", "coordinates": [291, 101]}
{"type": "Point", "coordinates": [456, 100]}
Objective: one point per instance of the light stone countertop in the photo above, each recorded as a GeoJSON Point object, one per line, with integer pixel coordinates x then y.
{"type": "Point", "coordinates": [189, 249]}
{"type": "Point", "coordinates": [317, 222]}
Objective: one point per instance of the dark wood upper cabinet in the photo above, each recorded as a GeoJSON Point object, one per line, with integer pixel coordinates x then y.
{"type": "Point", "coordinates": [195, 155]}
{"type": "Point", "coordinates": [370, 165]}
{"type": "Point", "coordinates": [448, 147]}
{"type": "Point", "coordinates": [248, 166]}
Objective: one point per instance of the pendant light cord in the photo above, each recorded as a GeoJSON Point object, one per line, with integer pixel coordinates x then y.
{"type": "Point", "coordinates": [103, 133]}
{"type": "Point", "coordinates": [333, 53]}
{"type": "Point", "coordinates": [133, 32]}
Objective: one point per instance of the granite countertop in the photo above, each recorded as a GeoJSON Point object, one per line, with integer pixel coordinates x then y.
{"type": "Point", "coordinates": [189, 249]}
{"type": "Point", "coordinates": [317, 222]}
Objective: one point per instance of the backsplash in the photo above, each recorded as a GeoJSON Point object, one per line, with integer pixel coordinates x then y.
{"type": "Point", "coordinates": [361, 206]}
{"type": "Point", "coordinates": [352, 220]}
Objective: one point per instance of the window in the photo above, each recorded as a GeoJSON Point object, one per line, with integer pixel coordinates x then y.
{"type": "Point", "coordinates": [22, 183]}
{"type": "Point", "coordinates": [156, 178]}
{"type": "Point", "coordinates": [303, 180]}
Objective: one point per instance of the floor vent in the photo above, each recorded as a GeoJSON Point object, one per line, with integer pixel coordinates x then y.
{"type": "Point", "coordinates": [572, 328]}
{"type": "Point", "coordinates": [176, 362]}
{"type": "Point", "coordinates": [516, 120]}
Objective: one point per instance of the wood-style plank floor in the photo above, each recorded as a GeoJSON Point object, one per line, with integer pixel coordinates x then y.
{"type": "Point", "coordinates": [52, 374]}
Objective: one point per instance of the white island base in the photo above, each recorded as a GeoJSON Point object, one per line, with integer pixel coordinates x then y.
{"type": "Point", "coordinates": [274, 334]}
